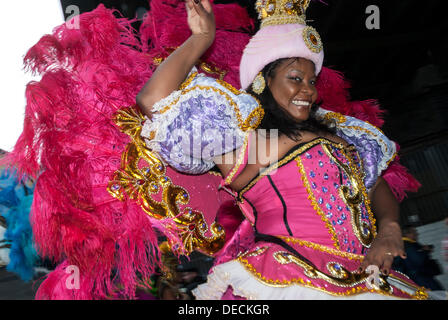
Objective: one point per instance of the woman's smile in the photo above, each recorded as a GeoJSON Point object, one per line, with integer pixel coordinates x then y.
{"type": "Point", "coordinates": [293, 87]}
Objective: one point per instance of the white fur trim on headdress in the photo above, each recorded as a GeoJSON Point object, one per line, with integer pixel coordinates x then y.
{"type": "Point", "coordinates": [279, 41]}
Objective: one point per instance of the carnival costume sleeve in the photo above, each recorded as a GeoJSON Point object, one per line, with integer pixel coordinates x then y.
{"type": "Point", "coordinates": [375, 149]}
{"type": "Point", "coordinates": [205, 118]}
{"type": "Point", "coordinates": [334, 96]}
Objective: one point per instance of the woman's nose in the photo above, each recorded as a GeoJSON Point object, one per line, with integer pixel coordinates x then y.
{"type": "Point", "coordinates": [307, 89]}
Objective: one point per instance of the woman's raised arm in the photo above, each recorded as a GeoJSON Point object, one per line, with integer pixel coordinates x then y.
{"type": "Point", "coordinates": [173, 71]}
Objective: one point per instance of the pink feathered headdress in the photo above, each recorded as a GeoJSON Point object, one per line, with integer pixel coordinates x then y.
{"type": "Point", "coordinates": [283, 34]}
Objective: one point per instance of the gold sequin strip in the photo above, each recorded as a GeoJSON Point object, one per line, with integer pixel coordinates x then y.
{"type": "Point", "coordinates": [240, 160]}
{"type": "Point", "coordinates": [306, 282]}
{"type": "Point", "coordinates": [319, 247]}
{"type": "Point", "coordinates": [142, 183]}
{"type": "Point", "coordinates": [283, 161]}
{"type": "Point", "coordinates": [252, 121]}
{"type": "Point", "coordinates": [315, 205]}
{"type": "Point", "coordinates": [362, 230]}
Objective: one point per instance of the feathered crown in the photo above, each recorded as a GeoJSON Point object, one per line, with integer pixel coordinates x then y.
{"type": "Point", "coordinates": [279, 12]}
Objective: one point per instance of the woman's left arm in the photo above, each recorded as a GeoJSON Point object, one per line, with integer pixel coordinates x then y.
{"type": "Point", "coordinates": [388, 242]}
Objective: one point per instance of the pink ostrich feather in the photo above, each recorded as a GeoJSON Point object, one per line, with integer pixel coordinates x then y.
{"type": "Point", "coordinates": [399, 179]}
{"type": "Point", "coordinates": [70, 142]}
{"type": "Point", "coordinates": [166, 28]}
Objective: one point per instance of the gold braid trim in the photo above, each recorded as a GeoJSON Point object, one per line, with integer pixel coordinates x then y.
{"type": "Point", "coordinates": [339, 276]}
{"type": "Point", "coordinates": [304, 282]}
{"type": "Point", "coordinates": [142, 176]}
{"type": "Point", "coordinates": [315, 205]}
{"type": "Point", "coordinates": [322, 248]}
{"type": "Point", "coordinates": [252, 121]}
{"type": "Point", "coordinates": [284, 160]}
{"type": "Point", "coordinates": [240, 160]}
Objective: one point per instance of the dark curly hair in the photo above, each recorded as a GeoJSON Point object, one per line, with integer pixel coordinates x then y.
{"type": "Point", "coordinates": [276, 117]}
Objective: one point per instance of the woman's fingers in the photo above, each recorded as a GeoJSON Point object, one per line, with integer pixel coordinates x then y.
{"type": "Point", "coordinates": [387, 263]}
{"type": "Point", "coordinates": [202, 7]}
{"type": "Point", "coordinates": [206, 5]}
{"type": "Point", "coordinates": [383, 261]}
{"type": "Point", "coordinates": [200, 15]}
{"type": "Point", "coordinates": [189, 5]}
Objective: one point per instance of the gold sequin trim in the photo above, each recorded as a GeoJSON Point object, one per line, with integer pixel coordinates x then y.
{"type": "Point", "coordinates": [214, 173]}
{"type": "Point", "coordinates": [250, 123]}
{"type": "Point", "coordinates": [339, 118]}
{"type": "Point", "coordinates": [274, 21]}
{"type": "Point", "coordinates": [187, 82]}
{"type": "Point", "coordinates": [286, 159]}
{"type": "Point", "coordinates": [303, 282]}
{"type": "Point", "coordinates": [240, 160]}
{"type": "Point", "coordinates": [256, 252]}
{"type": "Point", "coordinates": [141, 184]}
{"type": "Point", "coordinates": [356, 178]}
{"type": "Point", "coordinates": [315, 205]}
{"type": "Point", "coordinates": [312, 39]}
{"type": "Point", "coordinates": [319, 247]}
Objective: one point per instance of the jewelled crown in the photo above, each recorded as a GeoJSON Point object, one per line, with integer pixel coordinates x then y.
{"type": "Point", "coordinates": [278, 12]}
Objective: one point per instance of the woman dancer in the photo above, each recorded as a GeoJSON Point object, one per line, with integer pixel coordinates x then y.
{"type": "Point", "coordinates": [314, 198]}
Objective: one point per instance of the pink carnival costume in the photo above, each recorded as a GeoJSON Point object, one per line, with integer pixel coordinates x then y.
{"type": "Point", "coordinates": [102, 190]}
{"type": "Point", "coordinates": [303, 189]}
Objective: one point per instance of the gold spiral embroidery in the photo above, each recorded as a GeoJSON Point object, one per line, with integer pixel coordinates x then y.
{"type": "Point", "coordinates": [142, 182]}
{"type": "Point", "coordinates": [354, 198]}
{"type": "Point", "coordinates": [339, 275]}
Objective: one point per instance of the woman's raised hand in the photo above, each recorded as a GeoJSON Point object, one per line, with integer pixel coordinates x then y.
{"type": "Point", "coordinates": [173, 71]}
{"type": "Point", "coordinates": [201, 19]}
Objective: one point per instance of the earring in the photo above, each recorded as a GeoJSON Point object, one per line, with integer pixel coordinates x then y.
{"type": "Point", "coordinates": [259, 84]}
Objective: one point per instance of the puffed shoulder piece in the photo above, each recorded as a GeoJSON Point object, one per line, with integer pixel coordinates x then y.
{"type": "Point", "coordinates": [205, 118]}
{"type": "Point", "coordinates": [374, 148]}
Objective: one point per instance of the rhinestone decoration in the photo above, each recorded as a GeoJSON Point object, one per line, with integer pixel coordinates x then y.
{"type": "Point", "coordinates": [279, 12]}
{"type": "Point", "coordinates": [312, 39]}
{"type": "Point", "coordinates": [259, 84]}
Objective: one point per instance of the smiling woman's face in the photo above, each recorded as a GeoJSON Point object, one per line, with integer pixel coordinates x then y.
{"type": "Point", "coordinates": [293, 87]}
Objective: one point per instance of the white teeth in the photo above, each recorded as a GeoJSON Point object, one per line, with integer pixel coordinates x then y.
{"type": "Point", "coordinates": [300, 103]}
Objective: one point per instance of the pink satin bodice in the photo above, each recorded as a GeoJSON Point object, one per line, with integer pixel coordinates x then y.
{"type": "Point", "coordinates": [300, 196]}
{"type": "Point", "coordinates": [313, 225]}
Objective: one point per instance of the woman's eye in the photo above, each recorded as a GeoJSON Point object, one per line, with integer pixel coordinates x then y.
{"type": "Point", "coordinates": [313, 82]}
